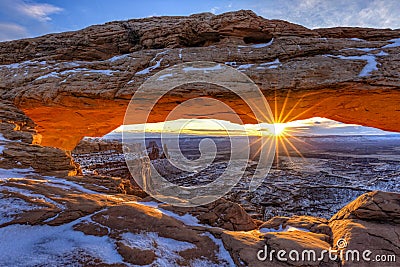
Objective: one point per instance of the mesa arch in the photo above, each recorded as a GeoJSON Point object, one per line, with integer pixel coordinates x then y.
{"type": "Point", "coordinates": [79, 83]}
{"type": "Point", "coordinates": [64, 127]}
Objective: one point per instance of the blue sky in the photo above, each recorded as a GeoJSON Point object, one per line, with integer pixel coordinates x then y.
{"type": "Point", "coordinates": [28, 18]}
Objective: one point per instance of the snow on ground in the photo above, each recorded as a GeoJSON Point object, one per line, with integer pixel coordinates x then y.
{"type": "Point", "coordinates": [382, 53]}
{"type": "Point", "coordinates": [42, 245]}
{"type": "Point", "coordinates": [2, 140]}
{"type": "Point", "coordinates": [84, 71]}
{"type": "Point", "coordinates": [270, 65]}
{"type": "Point", "coordinates": [180, 53]}
{"type": "Point", "coordinates": [267, 65]}
{"type": "Point", "coordinates": [364, 49]}
{"type": "Point", "coordinates": [187, 219]}
{"type": "Point", "coordinates": [244, 66]}
{"type": "Point", "coordinates": [372, 64]}
{"type": "Point", "coordinates": [22, 64]}
{"type": "Point", "coordinates": [6, 174]}
{"type": "Point", "coordinates": [26, 245]}
{"type": "Point", "coordinates": [368, 68]}
{"type": "Point", "coordinates": [205, 69]}
{"type": "Point", "coordinates": [69, 185]}
{"type": "Point", "coordinates": [222, 254]}
{"type": "Point", "coordinates": [149, 69]}
{"type": "Point", "coordinates": [11, 206]}
{"type": "Point", "coordinates": [105, 72]}
{"type": "Point", "coordinates": [15, 173]}
{"type": "Point", "coordinates": [166, 249]}
{"type": "Point", "coordinates": [155, 66]}
{"type": "Point", "coordinates": [117, 58]}
{"type": "Point", "coordinates": [72, 64]}
{"type": "Point", "coordinates": [162, 77]}
{"type": "Point", "coordinates": [31, 195]}
{"type": "Point", "coordinates": [49, 75]}
{"type": "Point", "coordinates": [357, 39]}
{"type": "Point", "coordinates": [395, 43]}
{"type": "Point", "coordinates": [259, 45]}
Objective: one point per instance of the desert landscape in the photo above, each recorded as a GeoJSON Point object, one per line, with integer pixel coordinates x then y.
{"type": "Point", "coordinates": [330, 172]}
{"type": "Point", "coordinates": [68, 198]}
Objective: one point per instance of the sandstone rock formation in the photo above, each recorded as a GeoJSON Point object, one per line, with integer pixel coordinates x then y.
{"type": "Point", "coordinates": [85, 79]}
{"type": "Point", "coordinates": [20, 145]}
{"type": "Point", "coordinates": [370, 222]}
{"type": "Point", "coordinates": [221, 213]}
{"type": "Point", "coordinates": [122, 37]}
{"type": "Point", "coordinates": [58, 88]}
{"type": "Point", "coordinates": [97, 145]}
{"type": "Point", "coordinates": [143, 232]}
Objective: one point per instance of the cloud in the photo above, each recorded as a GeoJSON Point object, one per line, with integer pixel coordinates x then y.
{"type": "Point", "coordinates": [11, 31]}
{"type": "Point", "coordinates": [380, 12]}
{"type": "Point", "coordinates": [37, 11]}
{"type": "Point", "coordinates": [322, 13]}
{"type": "Point", "coordinates": [24, 18]}
{"type": "Point", "coordinates": [215, 9]}
{"type": "Point", "coordinates": [324, 126]}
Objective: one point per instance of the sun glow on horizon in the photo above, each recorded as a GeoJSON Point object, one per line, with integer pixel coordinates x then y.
{"type": "Point", "coordinates": [308, 127]}
{"type": "Point", "coordinates": [280, 129]}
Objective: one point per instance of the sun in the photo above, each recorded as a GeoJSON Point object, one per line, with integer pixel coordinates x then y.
{"type": "Point", "coordinates": [279, 129]}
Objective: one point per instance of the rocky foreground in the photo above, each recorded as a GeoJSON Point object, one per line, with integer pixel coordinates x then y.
{"type": "Point", "coordinates": [47, 220]}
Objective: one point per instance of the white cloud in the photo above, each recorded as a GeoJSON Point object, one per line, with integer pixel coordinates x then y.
{"type": "Point", "coordinates": [215, 9]}
{"type": "Point", "coordinates": [37, 11]}
{"type": "Point", "coordinates": [324, 126]}
{"type": "Point", "coordinates": [323, 13]}
{"type": "Point", "coordinates": [380, 12]}
{"type": "Point", "coordinates": [25, 18]}
{"type": "Point", "coordinates": [11, 31]}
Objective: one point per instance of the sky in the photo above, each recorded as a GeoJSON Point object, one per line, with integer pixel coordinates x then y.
{"type": "Point", "coordinates": [316, 126]}
{"type": "Point", "coordinates": [29, 18]}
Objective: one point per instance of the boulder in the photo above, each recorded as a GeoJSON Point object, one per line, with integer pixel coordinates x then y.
{"type": "Point", "coordinates": [376, 206]}
{"type": "Point", "coordinates": [221, 213]}
{"type": "Point", "coordinates": [370, 222]}
{"type": "Point", "coordinates": [313, 224]}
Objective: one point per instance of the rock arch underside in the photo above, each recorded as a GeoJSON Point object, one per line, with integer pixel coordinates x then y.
{"type": "Point", "coordinates": [58, 88]}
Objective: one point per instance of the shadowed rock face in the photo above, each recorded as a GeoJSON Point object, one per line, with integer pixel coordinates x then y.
{"type": "Point", "coordinates": [20, 145]}
{"type": "Point", "coordinates": [82, 81]}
